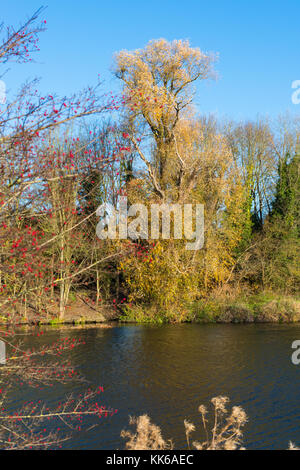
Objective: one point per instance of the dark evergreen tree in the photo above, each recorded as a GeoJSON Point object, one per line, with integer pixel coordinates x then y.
{"type": "Point", "coordinates": [287, 199]}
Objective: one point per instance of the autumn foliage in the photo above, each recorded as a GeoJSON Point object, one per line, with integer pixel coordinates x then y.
{"type": "Point", "coordinates": [60, 158]}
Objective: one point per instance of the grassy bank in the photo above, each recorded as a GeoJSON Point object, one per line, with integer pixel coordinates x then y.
{"type": "Point", "coordinates": [260, 308]}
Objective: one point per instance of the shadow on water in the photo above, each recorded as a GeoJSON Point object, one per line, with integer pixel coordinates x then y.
{"type": "Point", "coordinates": [168, 371]}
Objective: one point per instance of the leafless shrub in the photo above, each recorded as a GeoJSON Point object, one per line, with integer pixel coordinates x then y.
{"type": "Point", "coordinates": [147, 436]}
{"type": "Point", "coordinates": [225, 434]}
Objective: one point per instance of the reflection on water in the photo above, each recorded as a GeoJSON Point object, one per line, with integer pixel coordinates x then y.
{"type": "Point", "coordinates": [168, 371]}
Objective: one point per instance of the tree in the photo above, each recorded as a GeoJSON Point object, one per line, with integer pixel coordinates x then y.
{"type": "Point", "coordinates": [252, 146]}
{"type": "Point", "coordinates": [41, 172]}
{"type": "Point", "coordinates": [157, 92]}
{"type": "Point", "coordinates": [284, 226]}
{"type": "Point", "coordinates": [287, 198]}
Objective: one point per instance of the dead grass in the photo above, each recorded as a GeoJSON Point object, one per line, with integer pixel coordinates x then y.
{"type": "Point", "coordinates": [225, 433]}
{"type": "Point", "coordinates": [147, 436]}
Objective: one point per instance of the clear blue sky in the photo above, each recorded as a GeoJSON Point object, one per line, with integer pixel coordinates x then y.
{"type": "Point", "coordinates": [258, 43]}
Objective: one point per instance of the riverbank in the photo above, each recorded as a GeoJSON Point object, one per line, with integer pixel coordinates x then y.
{"type": "Point", "coordinates": [80, 310]}
{"type": "Point", "coordinates": [264, 307]}
{"type": "Point", "coordinates": [250, 308]}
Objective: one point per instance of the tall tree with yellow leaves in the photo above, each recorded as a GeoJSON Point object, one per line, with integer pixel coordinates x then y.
{"type": "Point", "coordinates": [158, 91]}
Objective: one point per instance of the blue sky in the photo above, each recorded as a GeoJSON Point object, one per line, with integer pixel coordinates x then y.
{"type": "Point", "coordinates": [258, 44]}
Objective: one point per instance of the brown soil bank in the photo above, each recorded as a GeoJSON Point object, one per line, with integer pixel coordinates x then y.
{"type": "Point", "coordinates": [77, 311]}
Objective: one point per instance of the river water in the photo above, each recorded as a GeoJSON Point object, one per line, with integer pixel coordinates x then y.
{"type": "Point", "coordinates": [168, 371]}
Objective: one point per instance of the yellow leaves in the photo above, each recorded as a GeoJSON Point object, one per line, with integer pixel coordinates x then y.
{"type": "Point", "coordinates": [160, 276]}
{"type": "Point", "coordinates": [157, 78]}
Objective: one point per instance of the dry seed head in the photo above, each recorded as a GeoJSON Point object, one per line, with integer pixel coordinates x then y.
{"type": "Point", "coordinates": [202, 409]}
{"type": "Point", "coordinates": [219, 403]}
{"type": "Point", "coordinates": [239, 415]}
{"type": "Point", "coordinates": [189, 427]}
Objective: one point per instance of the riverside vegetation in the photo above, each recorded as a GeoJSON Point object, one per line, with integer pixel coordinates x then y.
{"type": "Point", "coordinates": [61, 158]}
{"type": "Point", "coordinates": [225, 433]}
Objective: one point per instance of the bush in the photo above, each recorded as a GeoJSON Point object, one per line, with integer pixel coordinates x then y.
{"type": "Point", "coordinates": [281, 310]}
{"type": "Point", "coordinates": [238, 313]}
{"type": "Point", "coordinates": [225, 434]}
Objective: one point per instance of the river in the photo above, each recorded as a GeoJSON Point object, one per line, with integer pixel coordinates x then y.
{"type": "Point", "coordinates": [168, 371]}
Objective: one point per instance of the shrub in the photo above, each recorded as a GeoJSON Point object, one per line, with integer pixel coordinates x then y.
{"type": "Point", "coordinates": [225, 433]}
